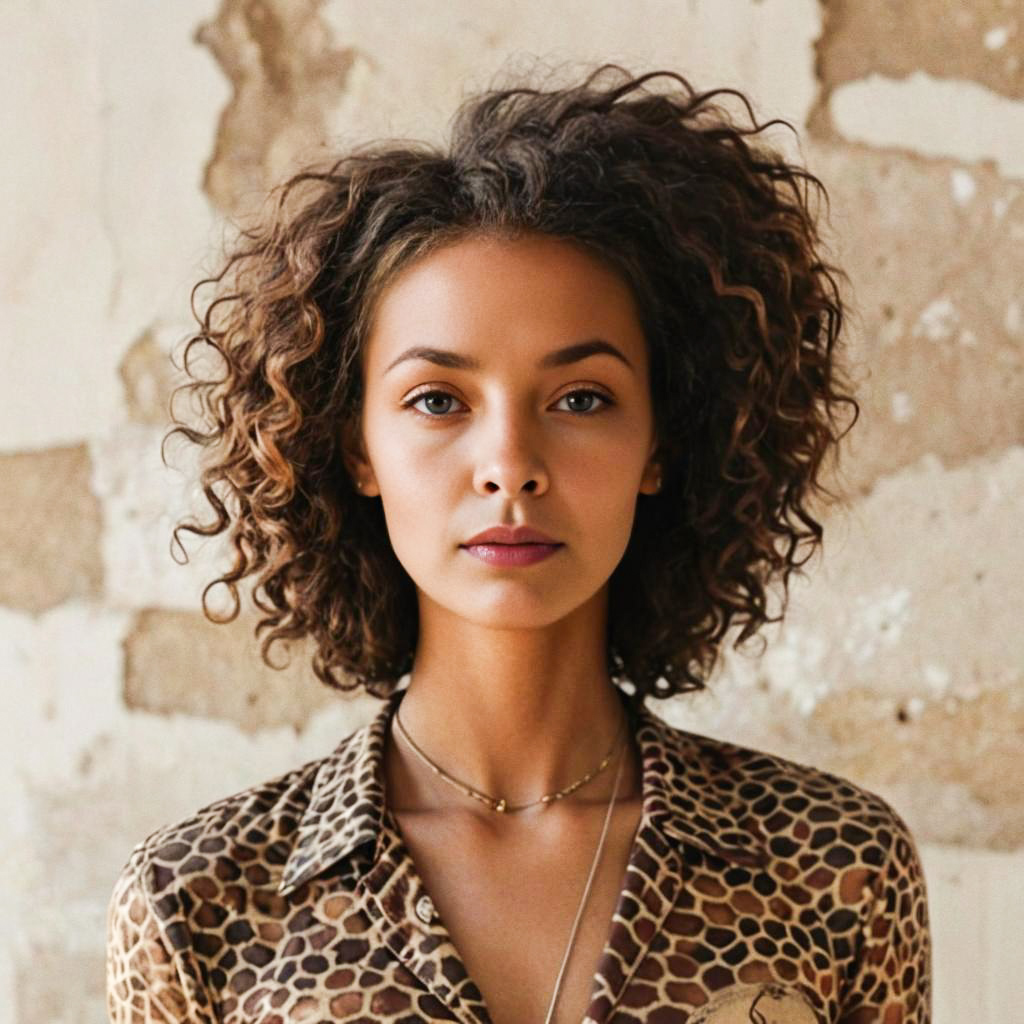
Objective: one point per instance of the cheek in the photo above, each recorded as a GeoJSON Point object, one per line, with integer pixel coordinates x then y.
{"type": "Point", "coordinates": [603, 465]}
{"type": "Point", "coordinates": [416, 493]}
{"type": "Point", "coordinates": [420, 478]}
{"type": "Point", "coordinates": [599, 484]}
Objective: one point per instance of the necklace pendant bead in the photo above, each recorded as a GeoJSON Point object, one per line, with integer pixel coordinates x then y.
{"type": "Point", "coordinates": [500, 808]}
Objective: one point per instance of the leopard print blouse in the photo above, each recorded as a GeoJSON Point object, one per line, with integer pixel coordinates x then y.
{"type": "Point", "coordinates": [757, 889]}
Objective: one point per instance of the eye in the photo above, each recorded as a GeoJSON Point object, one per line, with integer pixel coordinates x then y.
{"type": "Point", "coordinates": [434, 394]}
{"type": "Point", "coordinates": [437, 394]}
{"type": "Point", "coordinates": [608, 402]}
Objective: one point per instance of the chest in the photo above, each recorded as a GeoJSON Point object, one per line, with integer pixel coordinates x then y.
{"type": "Point", "coordinates": [509, 902]}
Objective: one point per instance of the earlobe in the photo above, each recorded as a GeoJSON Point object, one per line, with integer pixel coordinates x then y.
{"type": "Point", "coordinates": [356, 463]}
{"type": "Point", "coordinates": [362, 476]}
{"type": "Point", "coordinates": [654, 469]}
{"type": "Point", "coordinates": [653, 478]}
{"type": "Point", "coordinates": [365, 484]}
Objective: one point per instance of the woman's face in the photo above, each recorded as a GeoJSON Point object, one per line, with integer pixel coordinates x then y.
{"type": "Point", "coordinates": [486, 425]}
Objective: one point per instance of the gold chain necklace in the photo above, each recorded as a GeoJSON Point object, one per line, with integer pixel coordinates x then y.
{"type": "Point", "coordinates": [502, 805]}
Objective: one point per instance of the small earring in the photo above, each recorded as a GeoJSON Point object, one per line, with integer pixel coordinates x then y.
{"type": "Point", "coordinates": [359, 484]}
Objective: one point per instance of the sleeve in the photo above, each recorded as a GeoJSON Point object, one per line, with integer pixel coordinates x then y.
{"type": "Point", "coordinates": [891, 974]}
{"type": "Point", "coordinates": [147, 981]}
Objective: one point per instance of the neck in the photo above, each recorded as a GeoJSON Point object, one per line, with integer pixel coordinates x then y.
{"type": "Point", "coordinates": [514, 718]}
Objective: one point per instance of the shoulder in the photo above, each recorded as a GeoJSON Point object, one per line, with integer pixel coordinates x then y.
{"type": "Point", "coordinates": [801, 814]}
{"type": "Point", "coordinates": [830, 853]}
{"type": "Point", "coordinates": [239, 842]}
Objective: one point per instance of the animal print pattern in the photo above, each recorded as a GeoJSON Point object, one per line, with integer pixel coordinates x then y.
{"type": "Point", "coordinates": [757, 890]}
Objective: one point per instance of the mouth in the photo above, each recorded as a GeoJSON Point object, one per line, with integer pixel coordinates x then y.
{"type": "Point", "coordinates": [498, 554]}
{"type": "Point", "coordinates": [502, 544]}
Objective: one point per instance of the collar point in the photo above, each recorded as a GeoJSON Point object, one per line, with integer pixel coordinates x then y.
{"type": "Point", "coordinates": [290, 881]}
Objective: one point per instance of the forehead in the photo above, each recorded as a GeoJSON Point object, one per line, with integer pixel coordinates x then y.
{"type": "Point", "coordinates": [528, 291]}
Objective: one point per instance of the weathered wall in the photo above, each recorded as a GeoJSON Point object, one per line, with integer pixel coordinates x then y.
{"type": "Point", "coordinates": [131, 130]}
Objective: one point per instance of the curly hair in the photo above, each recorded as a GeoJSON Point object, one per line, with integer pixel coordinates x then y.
{"type": "Point", "coordinates": [714, 232]}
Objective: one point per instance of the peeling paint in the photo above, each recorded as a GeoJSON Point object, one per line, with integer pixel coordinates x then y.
{"type": "Point", "coordinates": [902, 407]}
{"type": "Point", "coordinates": [44, 567]}
{"type": "Point", "coordinates": [932, 117]}
{"type": "Point", "coordinates": [964, 186]}
{"type": "Point", "coordinates": [977, 42]}
{"type": "Point", "coordinates": [938, 320]}
{"type": "Point", "coordinates": [877, 622]}
{"type": "Point", "coordinates": [147, 377]}
{"type": "Point", "coordinates": [795, 667]}
{"type": "Point", "coordinates": [937, 678]}
{"type": "Point", "coordinates": [995, 38]}
{"type": "Point", "coordinates": [287, 75]}
{"type": "Point", "coordinates": [1014, 322]}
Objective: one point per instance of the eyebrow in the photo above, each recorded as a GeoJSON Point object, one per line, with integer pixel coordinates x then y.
{"type": "Point", "coordinates": [560, 357]}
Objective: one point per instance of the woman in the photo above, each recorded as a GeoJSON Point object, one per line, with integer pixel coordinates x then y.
{"type": "Point", "coordinates": [533, 422]}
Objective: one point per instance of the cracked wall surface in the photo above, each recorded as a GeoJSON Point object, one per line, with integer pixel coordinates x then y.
{"type": "Point", "coordinates": [901, 661]}
{"type": "Point", "coordinates": [981, 42]}
{"type": "Point", "coordinates": [286, 74]}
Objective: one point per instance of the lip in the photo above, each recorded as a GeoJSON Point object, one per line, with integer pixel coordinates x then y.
{"type": "Point", "coordinates": [510, 535]}
{"type": "Point", "coordinates": [512, 554]}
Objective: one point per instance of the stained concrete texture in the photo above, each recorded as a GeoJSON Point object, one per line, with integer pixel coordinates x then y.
{"type": "Point", "coordinates": [317, 76]}
{"type": "Point", "coordinates": [143, 499]}
{"type": "Point", "coordinates": [50, 529]}
{"type": "Point", "coordinates": [763, 47]}
{"type": "Point", "coordinates": [934, 253]}
{"type": "Point", "coordinates": [148, 377]}
{"type": "Point", "coordinates": [942, 71]}
{"type": "Point", "coordinates": [62, 687]}
{"type": "Point", "coordinates": [111, 113]}
{"type": "Point", "coordinates": [981, 40]}
{"type": "Point", "coordinates": [181, 662]}
{"type": "Point", "coordinates": [951, 765]}
{"type": "Point", "coordinates": [286, 73]}
{"type": "Point", "coordinates": [934, 117]}
{"type": "Point", "coordinates": [977, 933]}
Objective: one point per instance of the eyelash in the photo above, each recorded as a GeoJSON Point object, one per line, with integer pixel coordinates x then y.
{"type": "Point", "coordinates": [411, 402]}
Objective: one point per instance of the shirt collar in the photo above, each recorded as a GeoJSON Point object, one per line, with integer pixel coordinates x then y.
{"type": "Point", "coordinates": [686, 779]}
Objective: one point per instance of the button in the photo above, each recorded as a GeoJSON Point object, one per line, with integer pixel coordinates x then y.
{"type": "Point", "coordinates": [425, 909]}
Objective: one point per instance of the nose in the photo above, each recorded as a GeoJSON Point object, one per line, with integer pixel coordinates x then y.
{"type": "Point", "coordinates": [510, 460]}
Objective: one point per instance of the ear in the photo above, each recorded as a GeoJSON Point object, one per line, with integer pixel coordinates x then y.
{"type": "Point", "coordinates": [353, 453]}
{"type": "Point", "coordinates": [651, 481]}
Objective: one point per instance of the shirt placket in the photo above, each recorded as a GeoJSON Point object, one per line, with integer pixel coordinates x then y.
{"type": "Point", "coordinates": [651, 886]}
{"type": "Point", "coordinates": [394, 894]}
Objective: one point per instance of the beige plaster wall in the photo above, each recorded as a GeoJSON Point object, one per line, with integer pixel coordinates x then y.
{"type": "Point", "coordinates": [131, 130]}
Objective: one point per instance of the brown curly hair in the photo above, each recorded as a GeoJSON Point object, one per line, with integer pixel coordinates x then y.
{"type": "Point", "coordinates": [715, 234]}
